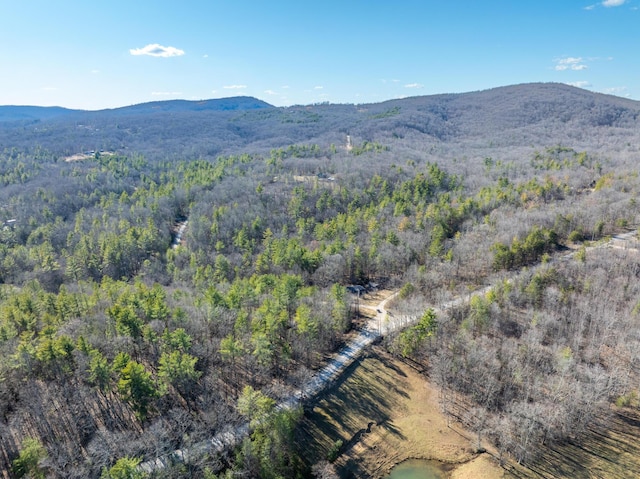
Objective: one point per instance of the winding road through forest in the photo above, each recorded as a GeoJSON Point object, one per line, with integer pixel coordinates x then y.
{"type": "Point", "coordinates": [375, 327]}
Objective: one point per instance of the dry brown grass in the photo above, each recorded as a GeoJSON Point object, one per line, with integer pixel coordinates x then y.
{"type": "Point", "coordinates": [611, 450]}
{"type": "Point", "coordinates": [385, 412]}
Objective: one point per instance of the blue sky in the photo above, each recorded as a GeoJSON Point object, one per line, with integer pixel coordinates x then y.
{"type": "Point", "coordinates": [110, 53]}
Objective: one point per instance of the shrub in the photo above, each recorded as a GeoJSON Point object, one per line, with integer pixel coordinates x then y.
{"type": "Point", "coordinates": [334, 452]}
{"type": "Point", "coordinates": [575, 236]}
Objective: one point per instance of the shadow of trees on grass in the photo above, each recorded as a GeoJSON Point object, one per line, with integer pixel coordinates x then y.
{"type": "Point", "coordinates": [609, 450]}
{"type": "Point", "coordinates": [362, 398]}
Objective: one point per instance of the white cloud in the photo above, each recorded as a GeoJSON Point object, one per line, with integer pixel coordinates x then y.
{"type": "Point", "coordinates": [570, 63]}
{"type": "Point", "coordinates": [414, 85]}
{"type": "Point", "coordinates": [270, 92]}
{"type": "Point", "coordinates": [618, 90]}
{"type": "Point", "coordinates": [166, 93]}
{"type": "Point", "coordinates": [95, 72]}
{"type": "Point", "coordinates": [234, 87]}
{"type": "Point", "coordinates": [205, 56]}
{"type": "Point", "coordinates": [318, 87]}
{"type": "Point", "coordinates": [580, 84]}
{"type": "Point", "coordinates": [590, 7]}
{"type": "Point", "coordinates": [49, 88]}
{"type": "Point", "coordinates": [156, 50]}
{"type": "Point", "coordinates": [613, 3]}
{"type": "Point", "coordinates": [570, 60]}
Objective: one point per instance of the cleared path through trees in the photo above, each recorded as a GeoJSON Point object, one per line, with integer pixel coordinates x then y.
{"type": "Point", "coordinates": [177, 239]}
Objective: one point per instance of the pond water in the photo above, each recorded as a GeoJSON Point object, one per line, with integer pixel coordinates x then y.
{"type": "Point", "coordinates": [417, 469]}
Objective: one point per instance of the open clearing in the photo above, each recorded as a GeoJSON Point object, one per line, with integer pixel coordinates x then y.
{"type": "Point", "coordinates": [86, 156]}
{"type": "Point", "coordinates": [385, 412]}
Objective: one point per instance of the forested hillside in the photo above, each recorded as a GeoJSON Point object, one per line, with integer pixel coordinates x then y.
{"type": "Point", "coordinates": [118, 345]}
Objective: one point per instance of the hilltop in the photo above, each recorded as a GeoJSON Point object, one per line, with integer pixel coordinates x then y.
{"type": "Point", "coordinates": [511, 116]}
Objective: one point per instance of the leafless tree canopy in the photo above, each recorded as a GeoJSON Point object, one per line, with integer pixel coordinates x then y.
{"type": "Point", "coordinates": [122, 339]}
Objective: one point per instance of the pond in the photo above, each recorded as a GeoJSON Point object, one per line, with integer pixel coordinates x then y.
{"type": "Point", "coordinates": [417, 469]}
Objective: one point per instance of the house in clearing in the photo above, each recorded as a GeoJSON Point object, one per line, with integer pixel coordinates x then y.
{"type": "Point", "coordinates": [356, 289]}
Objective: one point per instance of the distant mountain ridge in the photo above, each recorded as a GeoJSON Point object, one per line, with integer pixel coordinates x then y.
{"type": "Point", "coordinates": [238, 103]}
{"type": "Point", "coordinates": [556, 106]}
{"type": "Point", "coordinates": [19, 113]}
{"type": "Point", "coordinates": [509, 117]}
{"type": "Point", "coordinates": [39, 113]}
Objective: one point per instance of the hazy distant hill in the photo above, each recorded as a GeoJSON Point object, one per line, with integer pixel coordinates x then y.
{"type": "Point", "coordinates": [19, 113]}
{"type": "Point", "coordinates": [175, 106]}
{"type": "Point", "coordinates": [537, 113]}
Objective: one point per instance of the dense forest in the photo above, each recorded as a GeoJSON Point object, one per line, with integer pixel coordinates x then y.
{"type": "Point", "coordinates": [120, 342]}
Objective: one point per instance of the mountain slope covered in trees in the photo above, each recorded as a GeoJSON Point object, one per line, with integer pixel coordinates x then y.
{"type": "Point", "coordinates": [506, 116]}
{"type": "Point", "coordinates": [116, 347]}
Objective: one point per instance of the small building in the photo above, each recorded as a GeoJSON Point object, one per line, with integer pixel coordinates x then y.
{"type": "Point", "coordinates": [356, 289]}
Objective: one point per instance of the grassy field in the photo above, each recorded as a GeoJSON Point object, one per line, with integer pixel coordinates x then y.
{"type": "Point", "coordinates": [385, 412]}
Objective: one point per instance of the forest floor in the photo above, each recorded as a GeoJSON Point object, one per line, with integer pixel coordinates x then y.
{"type": "Point", "coordinates": [385, 412]}
{"type": "Point", "coordinates": [611, 450]}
